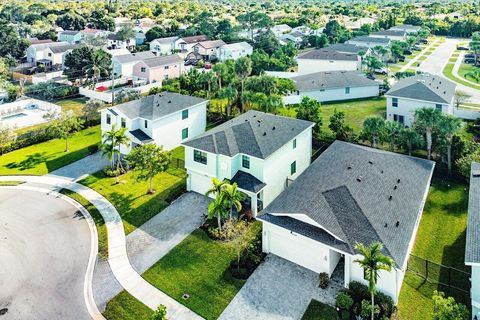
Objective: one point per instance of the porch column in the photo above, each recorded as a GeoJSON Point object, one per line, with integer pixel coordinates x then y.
{"type": "Point", "coordinates": [347, 261]}
{"type": "Point", "coordinates": [253, 198]}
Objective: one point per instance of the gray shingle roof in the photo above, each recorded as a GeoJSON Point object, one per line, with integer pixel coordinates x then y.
{"type": "Point", "coordinates": [163, 60]}
{"type": "Point", "coordinates": [247, 182]}
{"type": "Point", "coordinates": [63, 48]}
{"type": "Point", "coordinates": [157, 106]}
{"type": "Point", "coordinates": [331, 80]}
{"type": "Point", "coordinates": [167, 39]}
{"type": "Point", "coordinates": [387, 33]}
{"type": "Point", "coordinates": [209, 44]}
{"type": "Point", "coordinates": [253, 133]}
{"type": "Point", "coordinates": [141, 136]}
{"type": "Point", "coordinates": [347, 48]}
{"type": "Point", "coordinates": [194, 39]}
{"type": "Point", "coordinates": [132, 57]}
{"type": "Point", "coordinates": [367, 39]}
{"type": "Point", "coordinates": [330, 194]}
{"type": "Point", "coordinates": [328, 54]}
{"type": "Point", "coordinates": [69, 32]}
{"type": "Point", "coordinates": [472, 247]}
{"type": "Point", "coordinates": [426, 87]}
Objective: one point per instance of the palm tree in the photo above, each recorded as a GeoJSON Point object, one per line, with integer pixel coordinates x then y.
{"type": "Point", "coordinates": [208, 78]}
{"type": "Point", "coordinates": [248, 99]}
{"type": "Point", "coordinates": [427, 119]}
{"type": "Point", "coordinates": [218, 208]}
{"type": "Point", "coordinates": [448, 126]}
{"type": "Point", "coordinates": [233, 197]}
{"type": "Point", "coordinates": [221, 71]}
{"type": "Point", "coordinates": [474, 74]}
{"type": "Point", "coordinates": [373, 127]}
{"type": "Point", "coordinates": [243, 68]}
{"type": "Point", "coordinates": [97, 66]}
{"type": "Point", "coordinates": [230, 94]}
{"type": "Point", "coordinates": [272, 103]}
{"type": "Point", "coordinates": [372, 262]}
{"type": "Point", "coordinates": [409, 138]}
{"type": "Point", "coordinates": [392, 130]}
{"type": "Point", "coordinates": [216, 188]}
{"type": "Point", "coordinates": [108, 147]}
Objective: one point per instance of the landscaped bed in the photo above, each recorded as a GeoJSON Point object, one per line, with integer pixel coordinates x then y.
{"type": "Point", "coordinates": [320, 311]}
{"type": "Point", "coordinates": [45, 157]}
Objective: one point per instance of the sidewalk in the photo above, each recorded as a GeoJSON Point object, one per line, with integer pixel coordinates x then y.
{"type": "Point", "coordinates": [411, 62]}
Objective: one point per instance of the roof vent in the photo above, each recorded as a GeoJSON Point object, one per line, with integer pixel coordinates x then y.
{"type": "Point", "coordinates": [273, 128]}
{"type": "Point", "coordinates": [398, 180]}
{"type": "Point", "coordinates": [349, 167]}
{"type": "Point", "coordinates": [390, 198]}
{"type": "Point", "coordinates": [381, 172]}
{"type": "Point", "coordinates": [169, 101]}
{"type": "Point", "coordinates": [476, 173]}
{"type": "Point", "coordinates": [397, 224]}
{"type": "Point", "coordinates": [359, 179]}
{"type": "Point", "coordinates": [370, 161]}
{"type": "Point", "coordinates": [254, 115]}
{"type": "Point", "coordinates": [264, 134]}
{"type": "Point", "coordinates": [386, 225]}
{"type": "Point", "coordinates": [395, 188]}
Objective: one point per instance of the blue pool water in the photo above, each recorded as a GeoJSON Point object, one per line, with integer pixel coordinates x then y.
{"type": "Point", "coordinates": [14, 116]}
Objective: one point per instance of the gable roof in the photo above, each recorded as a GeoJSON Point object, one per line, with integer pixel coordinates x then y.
{"type": "Point", "coordinates": [367, 39]}
{"type": "Point", "coordinates": [395, 33]}
{"type": "Point", "coordinates": [426, 87]}
{"type": "Point", "coordinates": [69, 32]}
{"type": "Point", "coordinates": [166, 40]}
{"type": "Point", "coordinates": [328, 54]}
{"type": "Point", "coordinates": [137, 56]}
{"type": "Point", "coordinates": [160, 61]}
{"type": "Point", "coordinates": [209, 44]}
{"type": "Point", "coordinates": [157, 106]}
{"type": "Point", "coordinates": [472, 247]}
{"type": "Point", "coordinates": [194, 39]}
{"type": "Point", "coordinates": [253, 133]}
{"type": "Point", "coordinates": [329, 193]}
{"type": "Point", "coordinates": [332, 79]}
{"type": "Point", "coordinates": [406, 27]}
{"type": "Point", "coordinates": [63, 48]}
{"type": "Point", "coordinates": [238, 46]}
{"type": "Point", "coordinates": [347, 48]}
{"type": "Point", "coordinates": [42, 46]}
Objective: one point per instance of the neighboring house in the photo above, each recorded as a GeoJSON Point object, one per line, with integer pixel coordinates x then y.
{"type": "Point", "coordinates": [165, 119]}
{"type": "Point", "coordinates": [349, 48]}
{"type": "Point", "coordinates": [163, 46]}
{"type": "Point", "coordinates": [333, 86]}
{"type": "Point", "coordinates": [158, 69]}
{"type": "Point", "coordinates": [114, 42]}
{"type": "Point", "coordinates": [261, 152]}
{"type": "Point", "coordinates": [70, 36]}
{"type": "Point", "coordinates": [294, 37]}
{"type": "Point", "coordinates": [350, 194]}
{"type": "Point", "coordinates": [370, 42]}
{"type": "Point", "coordinates": [117, 52]}
{"type": "Point", "coordinates": [139, 37]}
{"type": "Point", "coordinates": [357, 24]}
{"type": "Point", "coordinates": [186, 44]}
{"type": "Point", "coordinates": [408, 28]}
{"type": "Point", "coordinates": [207, 49]}
{"type": "Point", "coordinates": [423, 90]}
{"type": "Point", "coordinates": [280, 29]}
{"type": "Point", "coordinates": [398, 35]}
{"type": "Point", "coordinates": [88, 32]}
{"type": "Point", "coordinates": [123, 64]}
{"type": "Point", "coordinates": [327, 60]}
{"type": "Point", "coordinates": [121, 22]}
{"type": "Point", "coordinates": [472, 247]}
{"type": "Point", "coordinates": [37, 41]}
{"type": "Point", "coordinates": [36, 52]}
{"type": "Point", "coordinates": [56, 54]}
{"type": "Point", "coordinates": [234, 51]}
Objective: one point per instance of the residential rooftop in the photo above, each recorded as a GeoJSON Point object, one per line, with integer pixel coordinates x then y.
{"type": "Point", "coordinates": [472, 247]}
{"type": "Point", "coordinates": [332, 80]}
{"type": "Point", "coordinates": [347, 48]}
{"type": "Point", "coordinates": [194, 39]}
{"type": "Point", "coordinates": [395, 33]}
{"type": "Point", "coordinates": [368, 39]}
{"type": "Point", "coordinates": [209, 44]}
{"type": "Point", "coordinates": [132, 57]}
{"type": "Point", "coordinates": [162, 60]}
{"type": "Point", "coordinates": [328, 54]}
{"type": "Point", "coordinates": [253, 133]}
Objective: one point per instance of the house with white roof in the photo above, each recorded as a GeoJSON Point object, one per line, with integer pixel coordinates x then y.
{"type": "Point", "coordinates": [123, 64]}
{"type": "Point", "coordinates": [280, 29]}
{"type": "Point", "coordinates": [350, 194]}
{"type": "Point", "coordinates": [423, 90]}
{"type": "Point", "coordinates": [89, 32]}
{"type": "Point", "coordinates": [115, 42]}
{"type": "Point", "coordinates": [321, 60]}
{"type": "Point", "coordinates": [36, 52]}
{"type": "Point", "coordinates": [408, 28]}
{"type": "Point", "coordinates": [207, 50]}
{"type": "Point", "coordinates": [56, 54]}
{"type": "Point", "coordinates": [261, 152]}
{"type": "Point", "coordinates": [234, 51]}
{"type": "Point", "coordinates": [472, 247]}
{"type": "Point", "coordinates": [163, 46]}
{"type": "Point", "coordinates": [165, 119]}
{"type": "Point", "coordinates": [370, 42]}
{"type": "Point", "coordinates": [393, 35]}
{"type": "Point", "coordinates": [358, 23]}
{"type": "Point", "coordinates": [294, 37]}
{"type": "Point", "coordinates": [185, 44]}
{"type": "Point", "coordinates": [332, 86]}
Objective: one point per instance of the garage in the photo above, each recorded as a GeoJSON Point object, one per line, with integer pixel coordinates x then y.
{"type": "Point", "coordinates": [299, 249]}
{"type": "Point", "coordinates": [198, 182]}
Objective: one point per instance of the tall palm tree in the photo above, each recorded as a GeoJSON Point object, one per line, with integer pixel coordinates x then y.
{"type": "Point", "coordinates": [119, 139]}
{"type": "Point", "coordinates": [108, 147]}
{"type": "Point", "coordinates": [392, 130]}
{"type": "Point", "coordinates": [448, 126]}
{"type": "Point", "coordinates": [208, 78]}
{"type": "Point", "coordinates": [221, 71]}
{"type": "Point", "coordinates": [373, 127]}
{"type": "Point", "coordinates": [372, 262]}
{"type": "Point", "coordinates": [474, 75]}
{"type": "Point", "coordinates": [218, 208]}
{"type": "Point", "coordinates": [427, 119]}
{"type": "Point", "coordinates": [233, 197]}
{"type": "Point", "coordinates": [216, 188]}
{"type": "Point", "coordinates": [243, 68]}
{"type": "Point", "coordinates": [248, 99]}
{"type": "Point", "coordinates": [410, 139]}
{"type": "Point", "coordinates": [230, 94]}
{"type": "Point", "coordinates": [97, 66]}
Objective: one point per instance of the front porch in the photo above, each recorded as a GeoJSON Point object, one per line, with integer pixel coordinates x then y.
{"type": "Point", "coordinates": [253, 189]}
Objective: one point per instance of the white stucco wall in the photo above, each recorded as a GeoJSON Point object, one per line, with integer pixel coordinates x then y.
{"type": "Point", "coordinates": [306, 66]}
{"type": "Point", "coordinates": [475, 291]}
{"type": "Point", "coordinates": [336, 94]}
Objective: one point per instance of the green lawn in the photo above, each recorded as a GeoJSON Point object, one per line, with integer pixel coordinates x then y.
{"type": "Point", "coordinates": [130, 196]}
{"type": "Point", "coordinates": [355, 111]}
{"type": "Point", "coordinates": [179, 153]}
{"type": "Point", "coordinates": [76, 105]}
{"type": "Point", "coordinates": [447, 72]}
{"type": "Point", "coordinates": [198, 266]}
{"type": "Point", "coordinates": [42, 158]}
{"type": "Point", "coordinates": [10, 183]}
{"type": "Point", "coordinates": [441, 239]}
{"type": "Point", "coordinates": [464, 69]}
{"type": "Point", "coordinates": [319, 311]}
{"type": "Point", "coordinates": [126, 307]}
{"type": "Point", "coordinates": [97, 218]}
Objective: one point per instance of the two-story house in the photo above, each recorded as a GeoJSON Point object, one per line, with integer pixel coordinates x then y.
{"type": "Point", "coordinates": [158, 69]}
{"type": "Point", "coordinates": [165, 119]}
{"type": "Point", "coordinates": [422, 90]}
{"type": "Point", "coordinates": [116, 42]}
{"type": "Point", "coordinates": [321, 60]}
{"type": "Point", "coordinates": [261, 152]}
{"type": "Point", "coordinates": [234, 51]}
{"type": "Point", "coordinates": [123, 64]}
{"type": "Point", "coordinates": [38, 51]}
{"type": "Point", "coordinates": [56, 54]}
{"type": "Point", "coordinates": [163, 46]}
{"type": "Point", "coordinates": [70, 36]}
{"type": "Point", "coordinates": [185, 44]}
{"type": "Point", "coordinates": [207, 50]}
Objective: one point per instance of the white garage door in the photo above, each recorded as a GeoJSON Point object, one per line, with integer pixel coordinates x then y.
{"type": "Point", "coordinates": [307, 253]}
{"type": "Point", "coordinates": [200, 183]}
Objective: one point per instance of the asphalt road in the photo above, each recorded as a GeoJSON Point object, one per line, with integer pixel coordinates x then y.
{"type": "Point", "coordinates": [44, 252]}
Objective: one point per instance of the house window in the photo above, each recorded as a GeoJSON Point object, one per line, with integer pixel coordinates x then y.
{"type": "Point", "coordinates": [146, 124]}
{"type": "Point", "coordinates": [124, 123]}
{"type": "Point", "coordinates": [109, 119]}
{"type": "Point", "coordinates": [184, 133]}
{"type": "Point", "coordinates": [246, 162]}
{"type": "Point", "coordinates": [347, 90]}
{"type": "Point", "coordinates": [142, 69]}
{"type": "Point", "coordinates": [294, 143]}
{"type": "Point", "coordinates": [199, 156]}
{"type": "Point", "coordinates": [49, 54]}
{"type": "Point", "coordinates": [438, 107]}
{"type": "Point", "coordinates": [293, 167]}
{"type": "Point", "coordinates": [166, 67]}
{"type": "Point", "coordinates": [398, 118]}
{"type": "Point", "coordinates": [394, 102]}
{"type": "Point", "coordinates": [184, 114]}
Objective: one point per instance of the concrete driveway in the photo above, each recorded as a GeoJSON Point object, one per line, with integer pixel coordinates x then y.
{"type": "Point", "coordinates": [280, 290]}
{"type": "Point", "coordinates": [44, 252]}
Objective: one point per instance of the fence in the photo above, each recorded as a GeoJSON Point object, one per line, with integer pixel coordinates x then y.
{"type": "Point", "coordinates": [177, 163]}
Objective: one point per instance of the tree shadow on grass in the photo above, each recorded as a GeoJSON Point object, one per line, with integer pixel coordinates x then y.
{"type": "Point", "coordinates": [30, 162]}
{"type": "Point", "coordinates": [66, 159]}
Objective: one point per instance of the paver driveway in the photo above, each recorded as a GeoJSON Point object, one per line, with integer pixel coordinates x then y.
{"type": "Point", "coordinates": [44, 253]}
{"type": "Point", "coordinates": [279, 290]}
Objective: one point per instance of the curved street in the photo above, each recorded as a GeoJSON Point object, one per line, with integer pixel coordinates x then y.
{"type": "Point", "coordinates": [44, 251]}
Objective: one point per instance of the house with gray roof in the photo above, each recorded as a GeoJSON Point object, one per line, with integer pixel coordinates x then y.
{"type": "Point", "coordinates": [157, 69]}
{"type": "Point", "coordinates": [370, 42]}
{"type": "Point", "coordinates": [349, 48]}
{"type": "Point", "coordinates": [163, 46]}
{"type": "Point", "coordinates": [394, 35]}
{"type": "Point", "coordinates": [408, 28]}
{"type": "Point", "coordinates": [123, 64]}
{"type": "Point", "coordinates": [332, 86]}
{"type": "Point", "coordinates": [472, 247]}
{"type": "Point", "coordinates": [422, 90]}
{"type": "Point", "coordinates": [350, 194]}
{"type": "Point", "coordinates": [165, 119]}
{"type": "Point", "coordinates": [326, 59]}
{"type": "Point", "coordinates": [261, 152]}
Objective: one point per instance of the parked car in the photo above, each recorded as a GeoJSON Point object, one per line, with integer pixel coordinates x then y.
{"type": "Point", "coordinates": [383, 89]}
{"type": "Point", "coordinates": [469, 60]}
{"type": "Point", "coordinates": [401, 58]}
{"type": "Point", "coordinates": [370, 76]}
{"type": "Point", "coordinates": [463, 48]}
{"type": "Point", "coordinates": [382, 71]}
{"type": "Point", "coordinates": [423, 41]}
{"type": "Point", "coordinates": [416, 48]}
{"type": "Point", "coordinates": [207, 66]}
{"type": "Point", "coordinates": [407, 52]}
{"type": "Point", "coordinates": [470, 55]}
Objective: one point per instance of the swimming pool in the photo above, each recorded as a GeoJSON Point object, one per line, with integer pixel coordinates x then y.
{"type": "Point", "coordinates": [14, 116]}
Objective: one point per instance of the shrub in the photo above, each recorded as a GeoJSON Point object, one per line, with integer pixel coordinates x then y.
{"type": "Point", "coordinates": [359, 292]}
{"type": "Point", "coordinates": [324, 279]}
{"type": "Point", "coordinates": [50, 90]}
{"type": "Point", "coordinates": [160, 313]}
{"type": "Point", "coordinates": [446, 308]}
{"type": "Point", "coordinates": [93, 148]}
{"type": "Point", "coordinates": [367, 309]}
{"type": "Point", "coordinates": [109, 172]}
{"type": "Point", "coordinates": [344, 301]}
{"type": "Point", "coordinates": [176, 191]}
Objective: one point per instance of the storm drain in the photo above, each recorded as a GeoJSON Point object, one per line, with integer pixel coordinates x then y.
{"type": "Point", "coordinates": [3, 311]}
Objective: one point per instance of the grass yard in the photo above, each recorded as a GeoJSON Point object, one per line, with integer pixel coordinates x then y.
{"type": "Point", "coordinates": [75, 104]}
{"type": "Point", "coordinates": [179, 153]}
{"type": "Point", "coordinates": [126, 307]}
{"type": "Point", "coordinates": [42, 158]}
{"type": "Point", "coordinates": [464, 69]}
{"type": "Point", "coordinates": [198, 266]}
{"type": "Point", "coordinates": [10, 183]}
{"type": "Point", "coordinates": [441, 239]}
{"type": "Point", "coordinates": [447, 72]}
{"type": "Point", "coordinates": [320, 311]}
{"type": "Point", "coordinates": [130, 196]}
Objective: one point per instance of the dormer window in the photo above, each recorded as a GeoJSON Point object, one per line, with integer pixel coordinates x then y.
{"type": "Point", "coordinates": [246, 162]}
